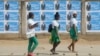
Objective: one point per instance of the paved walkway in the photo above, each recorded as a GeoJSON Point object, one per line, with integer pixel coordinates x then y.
{"type": "Point", "coordinates": [19, 48]}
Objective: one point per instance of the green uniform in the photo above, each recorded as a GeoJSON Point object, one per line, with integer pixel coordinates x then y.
{"type": "Point", "coordinates": [33, 42]}
{"type": "Point", "coordinates": [54, 35]}
{"type": "Point", "coordinates": [73, 33]}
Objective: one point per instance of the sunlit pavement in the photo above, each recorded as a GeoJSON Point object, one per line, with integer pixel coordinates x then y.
{"type": "Point", "coordinates": [19, 48]}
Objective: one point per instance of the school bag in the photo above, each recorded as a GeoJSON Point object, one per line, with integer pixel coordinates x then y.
{"type": "Point", "coordinates": [50, 28]}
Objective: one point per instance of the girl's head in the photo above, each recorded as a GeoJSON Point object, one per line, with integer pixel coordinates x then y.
{"type": "Point", "coordinates": [57, 16]}
{"type": "Point", "coordinates": [74, 14]}
{"type": "Point", "coordinates": [30, 15]}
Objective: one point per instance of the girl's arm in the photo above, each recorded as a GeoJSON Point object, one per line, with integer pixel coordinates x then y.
{"type": "Point", "coordinates": [75, 29]}
{"type": "Point", "coordinates": [32, 26]}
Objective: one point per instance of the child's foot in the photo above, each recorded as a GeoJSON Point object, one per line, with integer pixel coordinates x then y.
{"type": "Point", "coordinates": [69, 48]}
{"type": "Point", "coordinates": [28, 55]}
{"type": "Point", "coordinates": [52, 51]}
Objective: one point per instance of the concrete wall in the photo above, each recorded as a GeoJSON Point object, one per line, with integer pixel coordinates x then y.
{"type": "Point", "coordinates": [22, 34]}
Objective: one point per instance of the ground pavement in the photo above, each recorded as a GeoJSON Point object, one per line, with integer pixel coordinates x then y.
{"type": "Point", "coordinates": [19, 48]}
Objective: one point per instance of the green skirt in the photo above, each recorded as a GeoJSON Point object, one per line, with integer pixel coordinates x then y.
{"type": "Point", "coordinates": [73, 33]}
{"type": "Point", "coordinates": [54, 37]}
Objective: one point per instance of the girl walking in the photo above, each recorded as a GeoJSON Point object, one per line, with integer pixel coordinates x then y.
{"type": "Point", "coordinates": [73, 32]}
{"type": "Point", "coordinates": [54, 33]}
{"type": "Point", "coordinates": [33, 42]}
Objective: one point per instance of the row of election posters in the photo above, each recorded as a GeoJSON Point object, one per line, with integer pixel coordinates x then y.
{"type": "Point", "coordinates": [9, 16]}
{"type": "Point", "coordinates": [93, 16]}
{"type": "Point", "coordinates": [44, 14]}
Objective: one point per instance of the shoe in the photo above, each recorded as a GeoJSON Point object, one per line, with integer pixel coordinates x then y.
{"type": "Point", "coordinates": [30, 54]}
{"type": "Point", "coordinates": [52, 50]}
{"type": "Point", "coordinates": [69, 48]}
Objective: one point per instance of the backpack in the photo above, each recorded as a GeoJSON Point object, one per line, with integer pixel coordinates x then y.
{"type": "Point", "coordinates": [50, 28]}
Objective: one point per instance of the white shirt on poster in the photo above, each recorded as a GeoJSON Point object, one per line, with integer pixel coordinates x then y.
{"type": "Point", "coordinates": [68, 26]}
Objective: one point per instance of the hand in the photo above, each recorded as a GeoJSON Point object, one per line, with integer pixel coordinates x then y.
{"type": "Point", "coordinates": [35, 35]}
{"type": "Point", "coordinates": [36, 25]}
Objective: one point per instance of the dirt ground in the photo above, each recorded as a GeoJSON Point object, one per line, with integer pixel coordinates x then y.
{"type": "Point", "coordinates": [46, 41]}
{"type": "Point", "coordinates": [19, 47]}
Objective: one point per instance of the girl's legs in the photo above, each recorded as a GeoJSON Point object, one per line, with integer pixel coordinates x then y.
{"type": "Point", "coordinates": [32, 47]}
{"type": "Point", "coordinates": [54, 47]}
{"type": "Point", "coordinates": [69, 47]}
{"type": "Point", "coordinates": [35, 41]}
{"type": "Point", "coordinates": [29, 46]}
{"type": "Point", "coordinates": [72, 45]}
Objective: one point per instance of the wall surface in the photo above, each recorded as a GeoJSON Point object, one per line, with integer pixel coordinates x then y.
{"type": "Point", "coordinates": [22, 33]}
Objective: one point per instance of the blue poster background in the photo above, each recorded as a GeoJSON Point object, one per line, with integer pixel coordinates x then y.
{"type": "Point", "coordinates": [13, 16]}
{"type": "Point", "coordinates": [79, 26]}
{"type": "Point", "coordinates": [95, 5]}
{"type": "Point", "coordinates": [14, 5]}
{"type": "Point", "coordinates": [14, 26]}
{"type": "Point", "coordinates": [95, 25]}
{"type": "Point", "coordinates": [1, 16]}
{"type": "Point", "coordinates": [1, 26]}
{"type": "Point", "coordinates": [95, 20]}
{"type": "Point", "coordinates": [62, 15]}
{"type": "Point", "coordinates": [49, 5]}
{"type": "Point", "coordinates": [62, 26]}
{"type": "Point", "coordinates": [36, 5]}
{"type": "Point", "coordinates": [79, 16]}
{"type": "Point", "coordinates": [76, 5]}
{"type": "Point", "coordinates": [1, 5]}
{"type": "Point", "coordinates": [49, 16]}
{"type": "Point", "coordinates": [36, 16]}
{"type": "Point", "coordinates": [62, 5]}
{"type": "Point", "coordinates": [47, 25]}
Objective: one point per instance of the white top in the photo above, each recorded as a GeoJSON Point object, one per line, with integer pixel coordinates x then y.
{"type": "Point", "coordinates": [30, 32]}
{"type": "Point", "coordinates": [55, 23]}
{"type": "Point", "coordinates": [73, 21]}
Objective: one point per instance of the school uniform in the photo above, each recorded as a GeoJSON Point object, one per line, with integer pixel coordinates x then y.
{"type": "Point", "coordinates": [72, 30]}
{"type": "Point", "coordinates": [31, 36]}
{"type": "Point", "coordinates": [54, 33]}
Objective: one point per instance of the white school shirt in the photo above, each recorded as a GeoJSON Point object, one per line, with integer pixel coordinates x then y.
{"type": "Point", "coordinates": [73, 21]}
{"type": "Point", "coordinates": [55, 23]}
{"type": "Point", "coordinates": [30, 32]}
